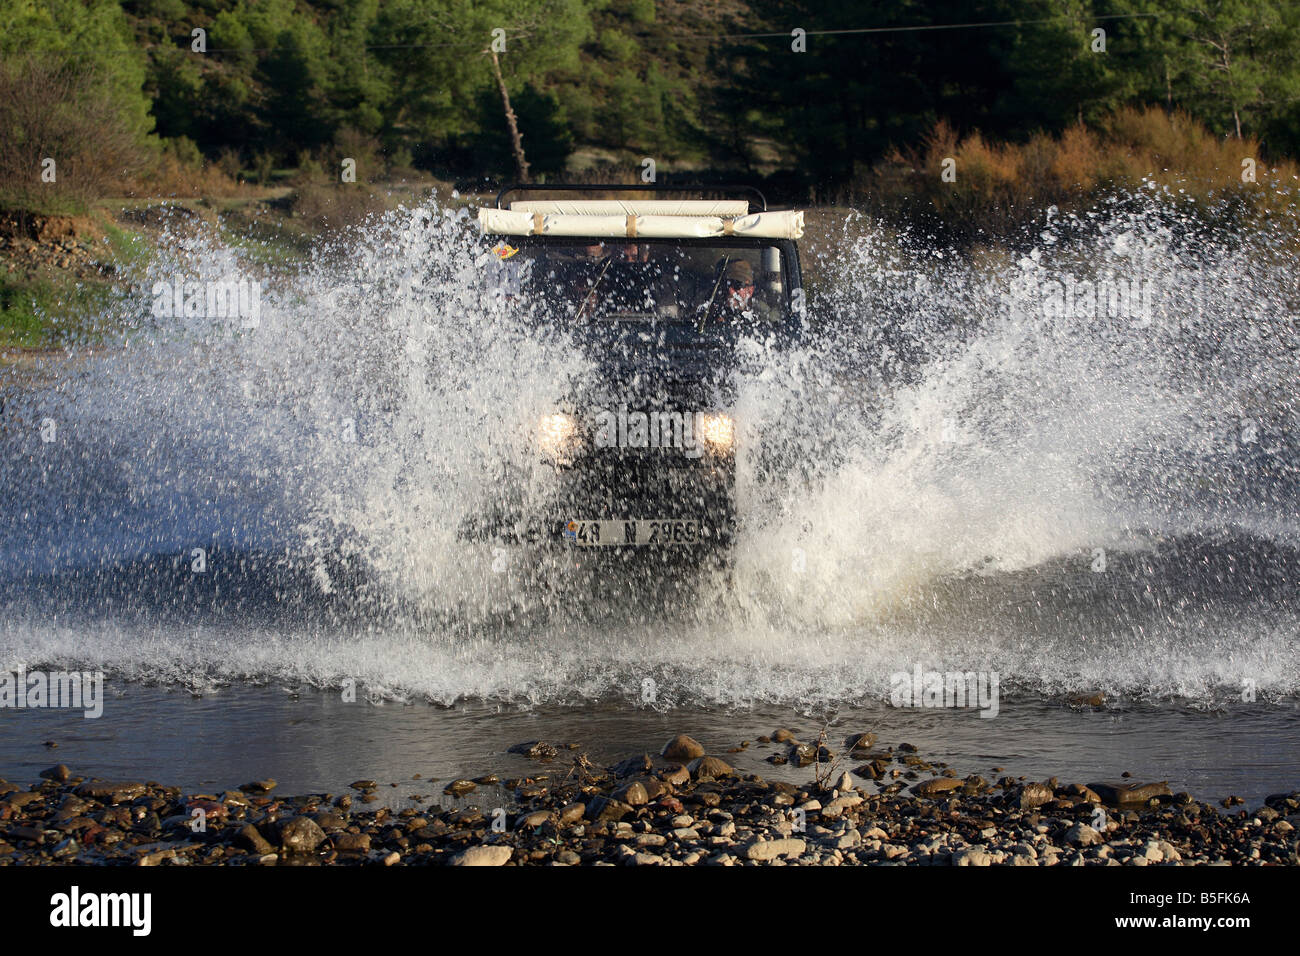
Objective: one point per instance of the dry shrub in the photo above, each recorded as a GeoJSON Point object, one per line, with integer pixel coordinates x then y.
{"type": "Point", "coordinates": [1000, 188]}
{"type": "Point", "coordinates": [61, 109]}
{"type": "Point", "coordinates": [173, 178]}
{"type": "Point", "coordinates": [1036, 161]}
{"type": "Point", "coordinates": [993, 170]}
{"type": "Point", "coordinates": [335, 205]}
{"type": "Point", "coordinates": [1176, 150]}
{"type": "Point", "coordinates": [1076, 159]}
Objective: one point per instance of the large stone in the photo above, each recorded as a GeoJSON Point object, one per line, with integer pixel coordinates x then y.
{"type": "Point", "coordinates": [861, 742]}
{"type": "Point", "coordinates": [1082, 793]}
{"type": "Point", "coordinates": [572, 813]}
{"type": "Point", "coordinates": [535, 750]}
{"type": "Point", "coordinates": [110, 792]}
{"type": "Point", "coordinates": [654, 788]}
{"type": "Point", "coordinates": [251, 839]}
{"type": "Point", "coordinates": [1035, 795]}
{"type": "Point", "coordinates": [1083, 835]}
{"type": "Point", "coordinates": [23, 797]}
{"type": "Point", "coordinates": [301, 835]}
{"type": "Point", "coordinates": [835, 809]}
{"type": "Point", "coordinates": [1129, 794]}
{"type": "Point", "coordinates": [482, 856]}
{"type": "Point", "coordinates": [683, 748]}
{"type": "Point", "coordinates": [676, 777]}
{"type": "Point", "coordinates": [329, 820]}
{"type": "Point", "coordinates": [606, 809]}
{"type": "Point", "coordinates": [352, 842]}
{"type": "Point", "coordinates": [765, 850]}
{"type": "Point", "coordinates": [634, 794]}
{"type": "Point", "coordinates": [710, 768]}
{"type": "Point", "coordinates": [633, 766]}
{"type": "Point", "coordinates": [939, 785]}
{"type": "Point", "coordinates": [802, 754]}
{"type": "Point", "coordinates": [1170, 852]}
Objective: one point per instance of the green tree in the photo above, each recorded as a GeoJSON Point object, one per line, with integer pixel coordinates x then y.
{"type": "Point", "coordinates": [1239, 60]}
{"type": "Point", "coordinates": [94, 33]}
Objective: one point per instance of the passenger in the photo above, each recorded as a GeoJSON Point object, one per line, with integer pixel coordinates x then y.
{"type": "Point", "coordinates": [590, 263]}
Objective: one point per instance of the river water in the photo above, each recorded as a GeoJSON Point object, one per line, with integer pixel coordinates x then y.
{"type": "Point", "coordinates": [1073, 466]}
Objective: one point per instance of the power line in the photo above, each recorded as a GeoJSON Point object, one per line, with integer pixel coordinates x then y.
{"type": "Point", "coordinates": [645, 35]}
{"type": "Point", "coordinates": [917, 29]}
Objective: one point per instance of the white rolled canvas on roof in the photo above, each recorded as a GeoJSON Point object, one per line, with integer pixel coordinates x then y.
{"type": "Point", "coordinates": [678, 227]}
{"type": "Point", "coordinates": [583, 225]}
{"type": "Point", "coordinates": [634, 207]}
{"type": "Point", "coordinates": [770, 225]}
{"type": "Point", "coordinates": [759, 225]}
{"type": "Point", "coordinates": [504, 222]}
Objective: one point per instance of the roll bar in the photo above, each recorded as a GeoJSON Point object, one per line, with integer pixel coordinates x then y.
{"type": "Point", "coordinates": [634, 187]}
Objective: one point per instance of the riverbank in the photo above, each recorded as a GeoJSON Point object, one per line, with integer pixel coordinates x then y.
{"type": "Point", "coordinates": [72, 280]}
{"type": "Point", "coordinates": [866, 804]}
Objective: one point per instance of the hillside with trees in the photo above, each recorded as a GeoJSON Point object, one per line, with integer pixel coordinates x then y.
{"type": "Point", "coordinates": [280, 84]}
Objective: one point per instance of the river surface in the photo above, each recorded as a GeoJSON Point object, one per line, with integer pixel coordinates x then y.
{"type": "Point", "coordinates": [242, 525]}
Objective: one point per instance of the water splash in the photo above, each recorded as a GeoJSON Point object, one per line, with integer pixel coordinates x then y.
{"type": "Point", "coordinates": [964, 458]}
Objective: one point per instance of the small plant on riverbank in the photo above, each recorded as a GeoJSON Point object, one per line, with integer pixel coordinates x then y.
{"type": "Point", "coordinates": [39, 313]}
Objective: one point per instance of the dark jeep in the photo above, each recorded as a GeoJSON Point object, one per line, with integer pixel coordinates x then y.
{"type": "Point", "coordinates": [658, 295]}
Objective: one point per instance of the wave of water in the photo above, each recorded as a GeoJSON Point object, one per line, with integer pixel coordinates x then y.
{"type": "Point", "coordinates": [1080, 501]}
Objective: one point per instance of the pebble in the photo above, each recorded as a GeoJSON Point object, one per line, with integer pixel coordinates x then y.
{"type": "Point", "coordinates": [601, 820]}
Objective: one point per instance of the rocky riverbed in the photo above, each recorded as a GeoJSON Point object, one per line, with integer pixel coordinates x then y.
{"type": "Point", "coordinates": [864, 804]}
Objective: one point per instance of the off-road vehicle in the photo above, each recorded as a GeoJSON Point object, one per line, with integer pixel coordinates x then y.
{"type": "Point", "coordinates": [665, 298]}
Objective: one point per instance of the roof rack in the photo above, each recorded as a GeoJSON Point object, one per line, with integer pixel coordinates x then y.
{"type": "Point", "coordinates": [635, 187]}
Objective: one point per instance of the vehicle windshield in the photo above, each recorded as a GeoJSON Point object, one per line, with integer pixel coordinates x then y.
{"type": "Point", "coordinates": [664, 281]}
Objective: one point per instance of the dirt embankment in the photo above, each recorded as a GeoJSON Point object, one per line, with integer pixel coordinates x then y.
{"type": "Point", "coordinates": [31, 243]}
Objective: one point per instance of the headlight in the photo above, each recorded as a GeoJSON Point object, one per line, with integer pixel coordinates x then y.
{"type": "Point", "coordinates": [556, 433]}
{"type": "Point", "coordinates": [718, 432]}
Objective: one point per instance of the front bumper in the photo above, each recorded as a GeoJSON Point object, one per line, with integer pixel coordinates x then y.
{"type": "Point", "coordinates": [626, 486]}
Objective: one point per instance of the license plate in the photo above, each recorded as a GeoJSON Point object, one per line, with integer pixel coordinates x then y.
{"type": "Point", "coordinates": [639, 532]}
